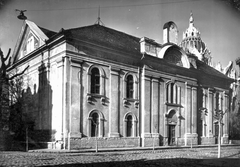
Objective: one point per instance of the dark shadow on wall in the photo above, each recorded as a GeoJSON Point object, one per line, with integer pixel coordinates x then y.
{"type": "Point", "coordinates": [31, 116]}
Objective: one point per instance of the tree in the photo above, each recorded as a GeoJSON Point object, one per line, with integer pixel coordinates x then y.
{"type": "Point", "coordinates": [6, 83]}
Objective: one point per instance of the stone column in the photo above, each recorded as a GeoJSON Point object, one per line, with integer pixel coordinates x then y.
{"type": "Point", "coordinates": [114, 102]}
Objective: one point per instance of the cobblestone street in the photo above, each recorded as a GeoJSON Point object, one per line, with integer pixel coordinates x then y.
{"type": "Point", "coordinates": [160, 157]}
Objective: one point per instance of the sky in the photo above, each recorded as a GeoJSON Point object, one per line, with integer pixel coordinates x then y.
{"type": "Point", "coordinates": [217, 21]}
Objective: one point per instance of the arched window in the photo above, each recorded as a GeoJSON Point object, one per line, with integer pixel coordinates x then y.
{"type": "Point", "coordinates": [95, 125]}
{"type": "Point", "coordinates": [129, 126]}
{"type": "Point", "coordinates": [173, 94]}
{"type": "Point", "coordinates": [95, 81]}
{"type": "Point", "coordinates": [130, 86]}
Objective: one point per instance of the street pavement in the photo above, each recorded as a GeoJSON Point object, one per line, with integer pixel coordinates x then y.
{"type": "Point", "coordinates": [172, 157]}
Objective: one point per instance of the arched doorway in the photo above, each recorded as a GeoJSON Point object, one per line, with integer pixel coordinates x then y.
{"type": "Point", "coordinates": [172, 122]}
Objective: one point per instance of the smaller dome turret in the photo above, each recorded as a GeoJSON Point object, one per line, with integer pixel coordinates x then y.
{"type": "Point", "coordinates": [191, 37]}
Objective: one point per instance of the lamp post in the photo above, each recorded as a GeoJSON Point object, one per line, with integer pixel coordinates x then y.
{"type": "Point", "coordinates": [218, 116]}
{"type": "Point", "coordinates": [96, 125]}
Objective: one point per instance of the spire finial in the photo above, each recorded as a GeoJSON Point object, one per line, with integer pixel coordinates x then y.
{"type": "Point", "coordinates": [99, 22]}
{"type": "Point", "coordinates": [191, 17]}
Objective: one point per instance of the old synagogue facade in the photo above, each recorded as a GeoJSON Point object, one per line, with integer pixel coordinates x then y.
{"type": "Point", "coordinates": [94, 82]}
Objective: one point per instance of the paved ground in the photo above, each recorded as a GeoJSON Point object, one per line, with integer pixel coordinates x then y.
{"type": "Point", "coordinates": [161, 157]}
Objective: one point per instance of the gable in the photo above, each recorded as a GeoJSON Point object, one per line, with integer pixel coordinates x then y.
{"type": "Point", "coordinates": [31, 38]}
{"type": "Point", "coordinates": [30, 43]}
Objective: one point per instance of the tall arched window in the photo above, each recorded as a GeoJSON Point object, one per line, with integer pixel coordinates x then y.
{"type": "Point", "coordinates": [95, 125]}
{"type": "Point", "coordinates": [95, 81]}
{"type": "Point", "coordinates": [130, 86]}
{"type": "Point", "coordinates": [173, 93]}
{"type": "Point", "coordinates": [129, 126]}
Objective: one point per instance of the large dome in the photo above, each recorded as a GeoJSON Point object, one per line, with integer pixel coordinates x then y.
{"type": "Point", "coordinates": [192, 37]}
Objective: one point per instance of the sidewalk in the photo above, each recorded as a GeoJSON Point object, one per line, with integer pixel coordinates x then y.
{"type": "Point", "coordinates": [127, 149]}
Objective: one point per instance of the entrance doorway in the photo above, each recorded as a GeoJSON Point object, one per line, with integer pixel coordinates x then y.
{"type": "Point", "coordinates": [171, 132]}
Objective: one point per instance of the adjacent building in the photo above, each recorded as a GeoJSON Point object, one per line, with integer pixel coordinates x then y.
{"type": "Point", "coordinates": [95, 82]}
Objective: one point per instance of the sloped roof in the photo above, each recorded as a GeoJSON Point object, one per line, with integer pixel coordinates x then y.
{"type": "Point", "coordinates": [209, 70]}
{"type": "Point", "coordinates": [105, 37]}
{"type": "Point", "coordinates": [47, 32]}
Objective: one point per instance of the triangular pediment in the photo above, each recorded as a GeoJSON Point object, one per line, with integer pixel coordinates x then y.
{"type": "Point", "coordinates": [31, 38]}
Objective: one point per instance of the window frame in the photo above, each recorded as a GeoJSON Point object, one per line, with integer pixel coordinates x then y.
{"type": "Point", "coordinates": [101, 93]}
{"type": "Point", "coordinates": [173, 93]}
{"type": "Point", "coordinates": [95, 79]}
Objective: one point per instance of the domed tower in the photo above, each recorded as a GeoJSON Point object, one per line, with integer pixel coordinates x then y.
{"type": "Point", "coordinates": [192, 38]}
{"type": "Point", "coordinates": [193, 44]}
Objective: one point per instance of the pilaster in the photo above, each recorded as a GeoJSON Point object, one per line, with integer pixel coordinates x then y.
{"type": "Point", "coordinates": [155, 106]}
{"type": "Point", "coordinates": [114, 102]}
{"type": "Point", "coordinates": [75, 98]}
{"type": "Point", "coordinates": [194, 110]}
{"type": "Point", "coordinates": [210, 112]}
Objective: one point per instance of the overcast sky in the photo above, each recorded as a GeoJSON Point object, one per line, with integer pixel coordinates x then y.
{"type": "Point", "coordinates": [217, 21]}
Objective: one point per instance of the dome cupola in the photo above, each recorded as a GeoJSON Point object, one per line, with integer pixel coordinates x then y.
{"type": "Point", "coordinates": [192, 37]}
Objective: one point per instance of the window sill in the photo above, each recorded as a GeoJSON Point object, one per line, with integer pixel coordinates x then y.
{"type": "Point", "coordinates": [127, 100]}
{"type": "Point", "coordinates": [173, 104]}
{"type": "Point", "coordinates": [90, 97]}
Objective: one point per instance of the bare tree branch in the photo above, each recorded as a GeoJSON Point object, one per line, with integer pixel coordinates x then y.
{"type": "Point", "coordinates": [18, 74]}
{"type": "Point", "coordinates": [8, 54]}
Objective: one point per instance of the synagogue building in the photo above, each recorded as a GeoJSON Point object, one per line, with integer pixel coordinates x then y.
{"type": "Point", "coordinates": [95, 82]}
